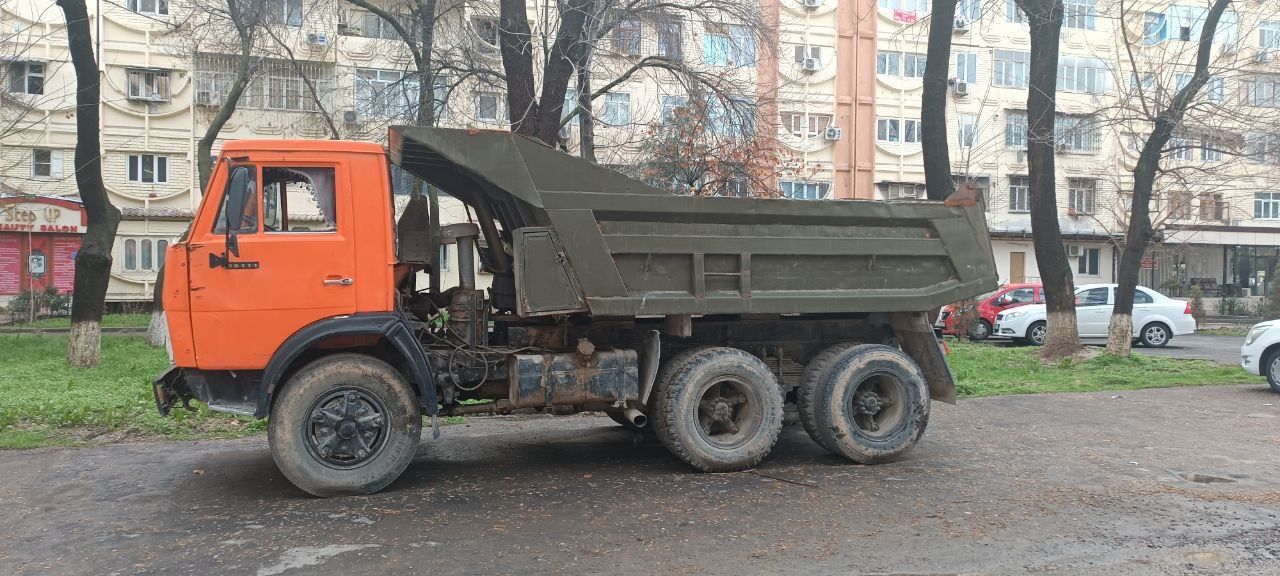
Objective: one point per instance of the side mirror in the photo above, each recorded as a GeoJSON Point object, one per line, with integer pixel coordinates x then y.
{"type": "Point", "coordinates": [238, 194]}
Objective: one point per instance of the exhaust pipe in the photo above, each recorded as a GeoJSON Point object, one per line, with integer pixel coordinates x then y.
{"type": "Point", "coordinates": [635, 417]}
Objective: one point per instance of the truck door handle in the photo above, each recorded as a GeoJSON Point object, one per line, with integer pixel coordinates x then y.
{"type": "Point", "coordinates": [338, 281]}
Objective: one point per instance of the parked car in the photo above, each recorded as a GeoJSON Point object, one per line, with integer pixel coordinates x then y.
{"type": "Point", "coordinates": [1007, 297]}
{"type": "Point", "coordinates": [1261, 352]}
{"type": "Point", "coordinates": [1156, 317]}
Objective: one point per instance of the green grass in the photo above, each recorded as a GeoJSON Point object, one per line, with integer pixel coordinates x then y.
{"type": "Point", "coordinates": [44, 401]}
{"type": "Point", "coordinates": [108, 321]}
{"type": "Point", "coordinates": [1233, 331]}
{"type": "Point", "coordinates": [983, 370]}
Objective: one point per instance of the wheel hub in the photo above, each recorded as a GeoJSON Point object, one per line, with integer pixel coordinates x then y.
{"type": "Point", "coordinates": [346, 428]}
{"type": "Point", "coordinates": [868, 403]}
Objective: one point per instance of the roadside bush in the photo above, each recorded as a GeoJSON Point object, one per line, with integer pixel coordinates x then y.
{"type": "Point", "coordinates": [1269, 308]}
{"type": "Point", "coordinates": [1197, 305]}
{"type": "Point", "coordinates": [31, 304]}
{"type": "Point", "coordinates": [1232, 306]}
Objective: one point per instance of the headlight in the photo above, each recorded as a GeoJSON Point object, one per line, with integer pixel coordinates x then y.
{"type": "Point", "coordinates": [1012, 315]}
{"type": "Point", "coordinates": [1255, 333]}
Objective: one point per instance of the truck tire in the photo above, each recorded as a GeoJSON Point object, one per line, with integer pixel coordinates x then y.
{"type": "Point", "coordinates": [817, 371]}
{"type": "Point", "coordinates": [718, 409]}
{"type": "Point", "coordinates": [874, 406]}
{"type": "Point", "coordinates": [343, 425]}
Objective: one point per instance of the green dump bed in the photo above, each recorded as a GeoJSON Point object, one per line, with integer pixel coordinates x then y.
{"type": "Point", "coordinates": [586, 239]}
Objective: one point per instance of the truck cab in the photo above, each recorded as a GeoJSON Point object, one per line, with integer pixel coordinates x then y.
{"type": "Point", "coordinates": [705, 322]}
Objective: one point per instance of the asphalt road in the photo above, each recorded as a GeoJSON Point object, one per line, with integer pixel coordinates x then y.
{"type": "Point", "coordinates": [1060, 484]}
{"type": "Point", "coordinates": [1225, 349]}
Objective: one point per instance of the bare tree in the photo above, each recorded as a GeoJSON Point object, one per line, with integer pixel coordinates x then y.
{"type": "Point", "coordinates": [1045, 19]}
{"type": "Point", "coordinates": [531, 113]}
{"type": "Point", "coordinates": [93, 261]}
{"type": "Point", "coordinates": [1167, 121]}
{"type": "Point", "coordinates": [933, 102]}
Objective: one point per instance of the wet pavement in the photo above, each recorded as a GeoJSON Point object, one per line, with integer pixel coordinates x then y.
{"type": "Point", "coordinates": [1174, 481]}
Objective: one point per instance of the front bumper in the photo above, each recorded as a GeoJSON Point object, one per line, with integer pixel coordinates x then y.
{"type": "Point", "coordinates": [171, 388]}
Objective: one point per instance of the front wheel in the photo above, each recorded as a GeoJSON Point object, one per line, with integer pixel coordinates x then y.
{"type": "Point", "coordinates": [343, 425]}
{"type": "Point", "coordinates": [1155, 335]}
{"type": "Point", "coordinates": [980, 330]}
{"type": "Point", "coordinates": [1273, 371]}
{"type": "Point", "coordinates": [1037, 333]}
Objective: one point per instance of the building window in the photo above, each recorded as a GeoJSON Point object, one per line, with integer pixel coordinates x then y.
{"type": "Point", "coordinates": [969, 10]}
{"type": "Point", "coordinates": [1212, 207]}
{"type": "Point", "coordinates": [1180, 148]}
{"type": "Point", "coordinates": [1216, 89]}
{"type": "Point", "coordinates": [151, 85]}
{"type": "Point", "coordinates": [488, 106]}
{"type": "Point", "coordinates": [439, 98]}
{"type": "Point", "coordinates": [26, 77]}
{"type": "Point", "coordinates": [148, 168]}
{"type": "Point", "coordinates": [280, 86]}
{"type": "Point", "coordinates": [1076, 133]}
{"type": "Point", "coordinates": [1081, 193]}
{"type": "Point", "coordinates": [672, 107]}
{"type": "Point", "coordinates": [1263, 90]}
{"type": "Point", "coordinates": [1078, 14]}
{"type": "Point", "coordinates": [1180, 207]}
{"type": "Point", "coordinates": [486, 29]}
{"type": "Point", "coordinates": [389, 93]}
{"type": "Point", "coordinates": [1262, 148]}
{"type": "Point", "coordinates": [1269, 35]}
{"type": "Point", "coordinates": [888, 130]}
{"type": "Point", "coordinates": [802, 190]}
{"type": "Point", "coordinates": [900, 64]}
{"type": "Point", "coordinates": [967, 130]}
{"type": "Point", "coordinates": [1012, 13]}
{"type": "Point", "coordinates": [626, 37]}
{"type": "Point", "coordinates": [1088, 264]}
{"type": "Point", "coordinates": [1015, 130]}
{"type": "Point", "coordinates": [1011, 67]}
{"type": "Point", "coordinates": [805, 52]}
{"type": "Point", "coordinates": [803, 125]}
{"type": "Point", "coordinates": [671, 40]}
{"type": "Point", "coordinates": [130, 254]}
{"type": "Point", "coordinates": [1019, 194]}
{"type": "Point", "coordinates": [1266, 205]}
{"type": "Point", "coordinates": [288, 11]}
{"type": "Point", "coordinates": [901, 190]}
{"type": "Point", "coordinates": [46, 163]}
{"type": "Point", "coordinates": [157, 7]}
{"type": "Point", "coordinates": [905, 5]}
{"type": "Point", "coordinates": [375, 26]}
{"type": "Point", "coordinates": [1081, 74]}
{"type": "Point", "coordinates": [1211, 149]}
{"type": "Point", "coordinates": [967, 67]}
{"type": "Point", "coordinates": [144, 254]}
{"type": "Point", "coordinates": [911, 131]}
{"type": "Point", "coordinates": [617, 109]}
{"type": "Point", "coordinates": [729, 46]}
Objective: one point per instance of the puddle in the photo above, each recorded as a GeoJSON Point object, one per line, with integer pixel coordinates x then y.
{"type": "Point", "coordinates": [1204, 478]}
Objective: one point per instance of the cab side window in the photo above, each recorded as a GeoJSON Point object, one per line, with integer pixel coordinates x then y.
{"type": "Point", "coordinates": [248, 175]}
{"type": "Point", "coordinates": [299, 199]}
{"type": "Point", "coordinates": [1094, 297]}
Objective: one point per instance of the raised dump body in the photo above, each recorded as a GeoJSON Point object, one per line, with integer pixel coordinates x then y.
{"type": "Point", "coordinates": [704, 322]}
{"type": "Point", "coordinates": [634, 250]}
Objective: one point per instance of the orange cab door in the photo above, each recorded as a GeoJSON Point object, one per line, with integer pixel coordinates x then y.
{"type": "Point", "coordinates": [296, 262]}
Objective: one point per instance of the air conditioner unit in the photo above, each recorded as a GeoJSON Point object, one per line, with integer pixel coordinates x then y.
{"type": "Point", "coordinates": [1073, 251]}
{"type": "Point", "coordinates": [350, 116]}
{"type": "Point", "coordinates": [317, 39]}
{"type": "Point", "coordinates": [1262, 56]}
{"type": "Point", "coordinates": [1233, 223]}
{"type": "Point", "coordinates": [960, 88]}
{"type": "Point", "coordinates": [811, 4]}
{"type": "Point", "coordinates": [832, 134]}
{"type": "Point", "coordinates": [1021, 157]}
{"type": "Point", "coordinates": [812, 64]}
{"type": "Point", "coordinates": [1229, 48]}
{"type": "Point", "coordinates": [961, 25]}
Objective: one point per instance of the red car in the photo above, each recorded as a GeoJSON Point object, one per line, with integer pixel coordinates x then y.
{"type": "Point", "coordinates": [1007, 297]}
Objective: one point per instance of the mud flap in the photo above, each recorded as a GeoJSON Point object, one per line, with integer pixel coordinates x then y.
{"type": "Point", "coordinates": [918, 340]}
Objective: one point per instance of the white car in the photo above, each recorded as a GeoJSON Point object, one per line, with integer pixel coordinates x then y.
{"type": "Point", "coordinates": [1156, 317]}
{"type": "Point", "coordinates": [1261, 352]}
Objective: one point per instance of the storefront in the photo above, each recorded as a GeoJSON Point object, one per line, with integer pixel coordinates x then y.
{"type": "Point", "coordinates": [39, 239]}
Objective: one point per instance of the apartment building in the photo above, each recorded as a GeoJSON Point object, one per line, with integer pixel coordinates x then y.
{"type": "Point", "coordinates": [1214, 210]}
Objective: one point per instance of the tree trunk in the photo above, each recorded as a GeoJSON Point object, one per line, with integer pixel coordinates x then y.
{"type": "Point", "coordinates": [516, 43]}
{"type": "Point", "coordinates": [1063, 339]}
{"type": "Point", "coordinates": [204, 148]}
{"type": "Point", "coordinates": [586, 122]}
{"type": "Point", "coordinates": [157, 332]}
{"type": "Point", "coordinates": [93, 261]}
{"type": "Point", "coordinates": [1120, 332]}
{"type": "Point", "coordinates": [933, 101]}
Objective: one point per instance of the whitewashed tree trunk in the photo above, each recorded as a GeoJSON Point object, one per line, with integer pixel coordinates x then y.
{"type": "Point", "coordinates": [1120, 334]}
{"type": "Point", "coordinates": [84, 345]}
{"type": "Point", "coordinates": [1060, 340]}
{"type": "Point", "coordinates": [157, 331]}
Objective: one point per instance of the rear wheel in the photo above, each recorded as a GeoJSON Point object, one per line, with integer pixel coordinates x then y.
{"type": "Point", "coordinates": [874, 406]}
{"type": "Point", "coordinates": [718, 409]}
{"type": "Point", "coordinates": [816, 372]}
{"type": "Point", "coordinates": [1037, 333]}
{"type": "Point", "coordinates": [1155, 335]}
{"type": "Point", "coordinates": [980, 330]}
{"type": "Point", "coordinates": [343, 425]}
